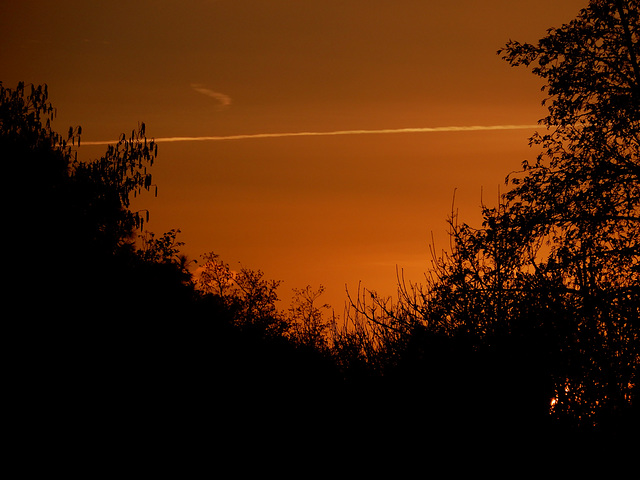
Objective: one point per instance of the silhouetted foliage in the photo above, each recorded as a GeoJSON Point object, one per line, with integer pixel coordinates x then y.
{"type": "Point", "coordinates": [551, 281]}
{"type": "Point", "coordinates": [70, 221]}
{"type": "Point", "coordinates": [246, 293]}
{"type": "Point", "coordinates": [308, 324]}
{"type": "Point", "coordinates": [115, 343]}
{"type": "Point", "coordinates": [576, 211]}
{"type": "Point", "coordinates": [526, 325]}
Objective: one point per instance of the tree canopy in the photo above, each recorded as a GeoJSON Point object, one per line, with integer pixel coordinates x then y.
{"type": "Point", "coordinates": [555, 267]}
{"type": "Point", "coordinates": [576, 210]}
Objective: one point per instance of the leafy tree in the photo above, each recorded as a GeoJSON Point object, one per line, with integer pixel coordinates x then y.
{"type": "Point", "coordinates": [94, 196]}
{"type": "Point", "coordinates": [110, 332]}
{"type": "Point", "coordinates": [309, 327]}
{"type": "Point", "coordinates": [576, 210]}
{"type": "Point", "coordinates": [165, 249]}
{"type": "Point", "coordinates": [251, 297]}
{"type": "Point", "coordinates": [551, 280]}
{"type": "Point", "coordinates": [37, 161]}
{"type": "Point", "coordinates": [73, 232]}
{"type": "Point", "coordinates": [107, 184]}
{"type": "Point", "coordinates": [90, 315]}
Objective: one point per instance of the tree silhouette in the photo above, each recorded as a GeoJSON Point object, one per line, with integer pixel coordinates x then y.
{"type": "Point", "coordinates": [309, 327]}
{"type": "Point", "coordinates": [550, 284]}
{"type": "Point", "coordinates": [246, 292]}
{"type": "Point", "coordinates": [71, 223]}
{"type": "Point", "coordinates": [577, 209]}
{"type": "Point", "coordinates": [110, 331]}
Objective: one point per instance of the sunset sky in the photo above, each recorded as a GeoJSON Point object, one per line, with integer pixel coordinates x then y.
{"type": "Point", "coordinates": [331, 209]}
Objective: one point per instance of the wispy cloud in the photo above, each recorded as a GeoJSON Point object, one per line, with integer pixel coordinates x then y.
{"type": "Point", "coordinates": [224, 100]}
{"type": "Point", "coordinates": [473, 128]}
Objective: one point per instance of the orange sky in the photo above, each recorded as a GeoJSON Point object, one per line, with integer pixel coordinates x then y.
{"type": "Point", "coordinates": [334, 210]}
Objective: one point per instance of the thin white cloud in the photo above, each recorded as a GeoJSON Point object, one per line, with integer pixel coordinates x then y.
{"type": "Point", "coordinates": [473, 128]}
{"type": "Point", "coordinates": [224, 100]}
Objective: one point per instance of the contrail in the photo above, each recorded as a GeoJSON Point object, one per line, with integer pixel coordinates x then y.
{"type": "Point", "coordinates": [225, 100]}
{"type": "Point", "coordinates": [472, 128]}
